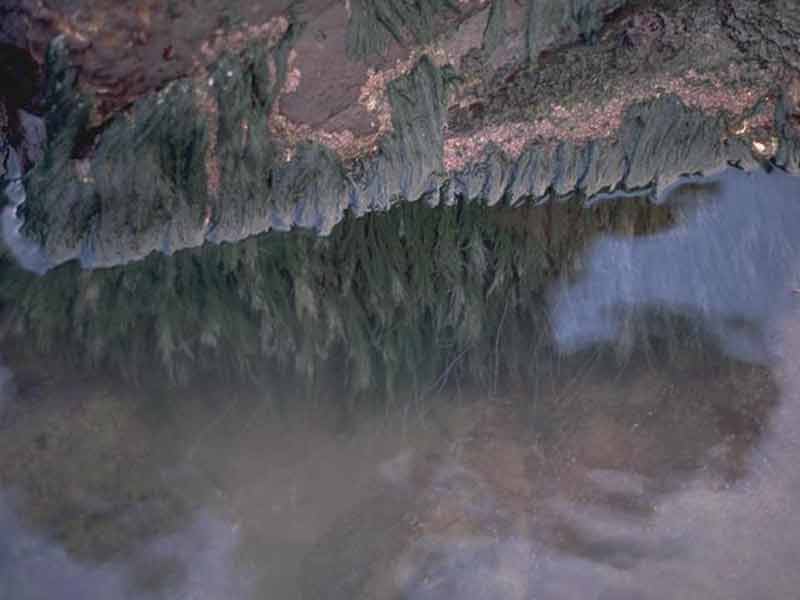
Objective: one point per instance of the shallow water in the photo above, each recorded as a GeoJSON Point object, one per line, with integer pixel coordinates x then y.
{"type": "Point", "coordinates": [652, 457]}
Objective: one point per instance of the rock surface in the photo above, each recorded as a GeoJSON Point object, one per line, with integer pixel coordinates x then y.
{"type": "Point", "coordinates": [257, 119]}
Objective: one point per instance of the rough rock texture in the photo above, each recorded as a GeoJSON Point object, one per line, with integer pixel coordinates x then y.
{"type": "Point", "coordinates": [767, 29]}
{"type": "Point", "coordinates": [258, 119]}
{"type": "Point", "coordinates": [551, 22]}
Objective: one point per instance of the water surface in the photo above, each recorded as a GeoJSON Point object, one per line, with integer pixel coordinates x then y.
{"type": "Point", "coordinates": [648, 451]}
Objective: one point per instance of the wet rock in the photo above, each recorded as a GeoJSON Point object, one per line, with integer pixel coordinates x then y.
{"type": "Point", "coordinates": [159, 154]}
{"type": "Point", "coordinates": [658, 142]}
{"type": "Point", "coordinates": [214, 157]}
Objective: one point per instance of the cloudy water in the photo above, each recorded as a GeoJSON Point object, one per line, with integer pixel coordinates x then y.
{"type": "Point", "coordinates": [623, 424]}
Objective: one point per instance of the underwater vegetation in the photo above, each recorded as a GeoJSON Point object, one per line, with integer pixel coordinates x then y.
{"type": "Point", "coordinates": [399, 302]}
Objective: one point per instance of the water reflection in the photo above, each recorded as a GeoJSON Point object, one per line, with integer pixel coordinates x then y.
{"type": "Point", "coordinates": [731, 263]}
{"type": "Point", "coordinates": [669, 474]}
{"type": "Point", "coordinates": [665, 483]}
{"type": "Point", "coordinates": [196, 563]}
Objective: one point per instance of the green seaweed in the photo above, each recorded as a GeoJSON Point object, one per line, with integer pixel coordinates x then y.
{"type": "Point", "coordinates": [393, 304]}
